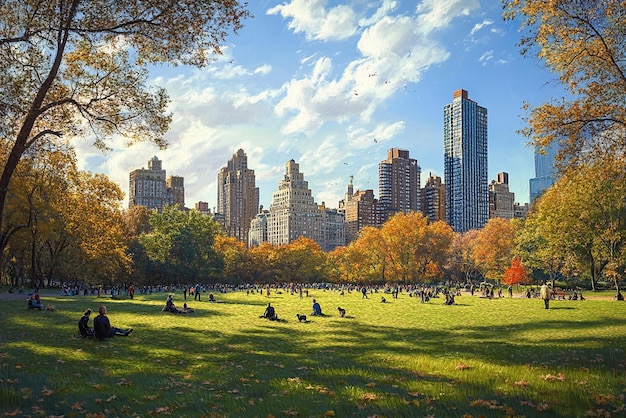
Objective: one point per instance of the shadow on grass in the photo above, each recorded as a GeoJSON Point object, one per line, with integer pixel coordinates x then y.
{"type": "Point", "coordinates": [187, 365]}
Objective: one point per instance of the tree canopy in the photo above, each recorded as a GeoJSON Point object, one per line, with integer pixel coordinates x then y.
{"type": "Point", "coordinates": [78, 68]}
{"type": "Point", "coordinates": [584, 42]}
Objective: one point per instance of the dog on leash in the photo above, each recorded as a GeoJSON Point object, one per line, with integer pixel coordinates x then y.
{"type": "Point", "coordinates": [301, 318]}
{"type": "Point", "coordinates": [342, 312]}
{"type": "Point", "coordinates": [50, 308]}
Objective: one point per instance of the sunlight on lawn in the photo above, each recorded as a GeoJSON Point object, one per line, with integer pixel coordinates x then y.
{"type": "Point", "coordinates": [400, 358]}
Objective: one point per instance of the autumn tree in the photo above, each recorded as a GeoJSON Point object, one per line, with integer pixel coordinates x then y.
{"type": "Point", "coordinates": [492, 248]}
{"type": "Point", "coordinates": [460, 265]}
{"type": "Point", "coordinates": [581, 221]}
{"type": "Point", "coordinates": [584, 42]}
{"type": "Point", "coordinates": [414, 247]}
{"type": "Point", "coordinates": [516, 274]}
{"type": "Point", "coordinates": [264, 263]}
{"type": "Point", "coordinates": [235, 258]}
{"type": "Point", "coordinates": [77, 68]}
{"type": "Point", "coordinates": [72, 218]}
{"type": "Point", "coordinates": [367, 256]}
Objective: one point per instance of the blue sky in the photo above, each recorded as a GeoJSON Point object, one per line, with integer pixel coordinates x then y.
{"type": "Point", "coordinates": [334, 85]}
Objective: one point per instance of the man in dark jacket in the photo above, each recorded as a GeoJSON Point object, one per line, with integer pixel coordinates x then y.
{"type": "Point", "coordinates": [103, 329]}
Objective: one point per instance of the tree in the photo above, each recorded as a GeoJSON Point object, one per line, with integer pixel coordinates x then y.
{"type": "Point", "coordinates": [367, 256]}
{"type": "Point", "coordinates": [516, 274]}
{"type": "Point", "coordinates": [581, 220]}
{"type": "Point", "coordinates": [235, 258]}
{"type": "Point", "coordinates": [460, 262]}
{"type": "Point", "coordinates": [414, 247]}
{"type": "Point", "coordinates": [76, 68]}
{"type": "Point", "coordinates": [584, 42]}
{"type": "Point", "coordinates": [182, 244]}
{"type": "Point", "coordinates": [492, 248]}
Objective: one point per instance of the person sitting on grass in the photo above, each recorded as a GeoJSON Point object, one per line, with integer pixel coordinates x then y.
{"type": "Point", "coordinates": [316, 309]}
{"type": "Point", "coordinates": [270, 313]}
{"type": "Point", "coordinates": [187, 309]}
{"type": "Point", "coordinates": [34, 303]}
{"type": "Point", "coordinates": [83, 325]}
{"type": "Point", "coordinates": [449, 299]}
{"type": "Point", "coordinates": [169, 305]}
{"type": "Point", "coordinates": [102, 326]}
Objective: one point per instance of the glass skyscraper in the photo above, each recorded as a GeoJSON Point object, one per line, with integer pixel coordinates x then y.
{"type": "Point", "coordinates": [545, 171]}
{"type": "Point", "coordinates": [465, 163]}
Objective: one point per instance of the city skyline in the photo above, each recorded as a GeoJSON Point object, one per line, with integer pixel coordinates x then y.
{"type": "Point", "coordinates": [334, 85]}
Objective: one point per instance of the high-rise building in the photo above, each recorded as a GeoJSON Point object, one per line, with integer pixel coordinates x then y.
{"type": "Point", "coordinates": [237, 196]}
{"type": "Point", "coordinates": [545, 171]}
{"type": "Point", "coordinates": [501, 200]}
{"type": "Point", "coordinates": [258, 229]}
{"type": "Point", "coordinates": [399, 182]}
{"type": "Point", "coordinates": [348, 196]}
{"type": "Point", "coordinates": [433, 197]}
{"type": "Point", "coordinates": [175, 186]}
{"type": "Point", "coordinates": [465, 163]}
{"type": "Point", "coordinates": [362, 210]}
{"type": "Point", "coordinates": [334, 228]}
{"type": "Point", "coordinates": [150, 188]}
{"type": "Point", "coordinates": [293, 211]}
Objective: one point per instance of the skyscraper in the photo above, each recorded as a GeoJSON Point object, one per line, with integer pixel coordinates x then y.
{"type": "Point", "coordinates": [237, 196]}
{"type": "Point", "coordinates": [399, 182]}
{"type": "Point", "coordinates": [501, 200]}
{"type": "Point", "coordinates": [151, 189]}
{"type": "Point", "coordinates": [465, 163]}
{"type": "Point", "coordinates": [545, 171]}
{"type": "Point", "coordinates": [433, 197]}
{"type": "Point", "coordinates": [362, 210]}
{"type": "Point", "coordinates": [293, 211]}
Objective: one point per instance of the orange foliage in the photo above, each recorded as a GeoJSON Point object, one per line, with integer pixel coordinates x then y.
{"type": "Point", "coordinates": [517, 273]}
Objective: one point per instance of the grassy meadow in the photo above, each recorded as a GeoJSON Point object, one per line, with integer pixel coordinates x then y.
{"type": "Point", "coordinates": [480, 357]}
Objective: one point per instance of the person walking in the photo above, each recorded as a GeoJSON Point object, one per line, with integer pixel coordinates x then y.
{"type": "Point", "coordinates": [546, 293]}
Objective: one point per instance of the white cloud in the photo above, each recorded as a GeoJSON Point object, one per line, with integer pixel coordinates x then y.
{"type": "Point", "coordinates": [436, 14]}
{"type": "Point", "coordinates": [486, 57]}
{"type": "Point", "coordinates": [312, 18]}
{"type": "Point", "coordinates": [480, 25]}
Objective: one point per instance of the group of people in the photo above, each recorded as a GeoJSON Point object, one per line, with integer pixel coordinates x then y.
{"type": "Point", "coordinates": [171, 307]}
{"type": "Point", "coordinates": [102, 329]}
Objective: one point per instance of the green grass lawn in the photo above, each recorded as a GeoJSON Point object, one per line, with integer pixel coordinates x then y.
{"type": "Point", "coordinates": [480, 357]}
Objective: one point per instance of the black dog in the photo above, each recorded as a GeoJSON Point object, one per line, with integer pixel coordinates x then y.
{"type": "Point", "coordinates": [301, 318]}
{"type": "Point", "coordinates": [342, 312]}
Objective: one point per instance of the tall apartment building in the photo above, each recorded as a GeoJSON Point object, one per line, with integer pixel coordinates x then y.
{"type": "Point", "coordinates": [151, 188]}
{"type": "Point", "coordinates": [334, 228]}
{"type": "Point", "coordinates": [175, 186]}
{"type": "Point", "coordinates": [433, 197]}
{"type": "Point", "coordinates": [348, 196]}
{"type": "Point", "coordinates": [362, 210]}
{"type": "Point", "coordinates": [237, 196]}
{"type": "Point", "coordinates": [465, 163]}
{"type": "Point", "coordinates": [258, 229]}
{"type": "Point", "coordinates": [399, 182]}
{"type": "Point", "coordinates": [545, 171]}
{"type": "Point", "coordinates": [293, 211]}
{"type": "Point", "coordinates": [501, 200]}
